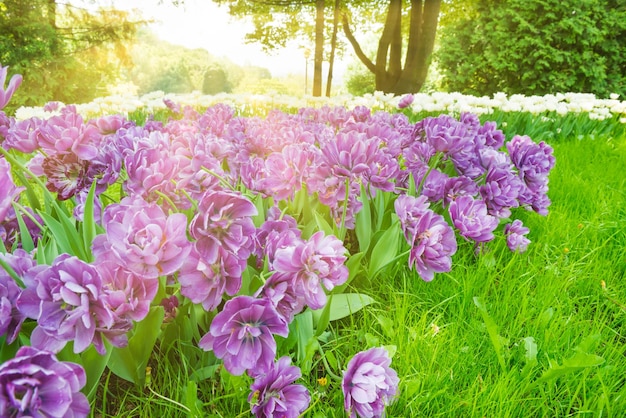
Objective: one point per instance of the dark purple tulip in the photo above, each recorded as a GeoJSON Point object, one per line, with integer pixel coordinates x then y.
{"type": "Point", "coordinates": [274, 394]}
{"type": "Point", "coordinates": [369, 384]}
{"type": "Point", "coordinates": [242, 334]}
{"type": "Point", "coordinates": [35, 384]}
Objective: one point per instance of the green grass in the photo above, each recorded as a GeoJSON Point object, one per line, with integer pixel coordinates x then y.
{"type": "Point", "coordinates": [502, 335]}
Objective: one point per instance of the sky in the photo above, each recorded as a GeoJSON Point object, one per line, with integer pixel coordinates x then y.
{"type": "Point", "coordinates": [203, 24]}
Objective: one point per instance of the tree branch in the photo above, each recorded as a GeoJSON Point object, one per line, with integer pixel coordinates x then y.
{"type": "Point", "coordinates": [355, 45]}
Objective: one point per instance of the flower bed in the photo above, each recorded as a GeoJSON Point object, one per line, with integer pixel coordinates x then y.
{"type": "Point", "coordinates": [241, 235]}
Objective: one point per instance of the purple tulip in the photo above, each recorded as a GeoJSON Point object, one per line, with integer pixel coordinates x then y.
{"type": "Point", "coordinates": [315, 263]}
{"type": "Point", "coordinates": [68, 134]}
{"type": "Point", "coordinates": [14, 83]}
{"type": "Point", "coordinates": [455, 187]}
{"type": "Point", "coordinates": [533, 161]}
{"type": "Point", "coordinates": [432, 240]}
{"type": "Point", "coordinates": [369, 383]}
{"type": "Point", "coordinates": [9, 192]}
{"type": "Point", "coordinates": [127, 294]}
{"type": "Point", "coordinates": [515, 233]}
{"type": "Point", "coordinates": [205, 281]}
{"type": "Point", "coordinates": [281, 291]}
{"type": "Point", "coordinates": [224, 220]}
{"type": "Point", "coordinates": [142, 239]}
{"type": "Point", "coordinates": [278, 231]}
{"type": "Point", "coordinates": [35, 384]}
{"type": "Point", "coordinates": [151, 167]}
{"type": "Point", "coordinates": [406, 101]}
{"type": "Point", "coordinates": [274, 394]}
{"type": "Point", "coordinates": [242, 335]}
{"type": "Point", "coordinates": [22, 135]}
{"type": "Point", "coordinates": [470, 217]}
{"type": "Point", "coordinates": [286, 172]}
{"type": "Point", "coordinates": [501, 191]}
{"type": "Point", "coordinates": [67, 300]}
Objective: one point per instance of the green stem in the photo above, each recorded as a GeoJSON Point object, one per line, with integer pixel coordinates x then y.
{"type": "Point", "coordinates": [11, 272]}
{"type": "Point", "coordinates": [431, 165]}
{"type": "Point", "coordinates": [342, 228]}
{"type": "Point", "coordinates": [327, 366]}
{"type": "Point", "coordinates": [311, 406]}
{"type": "Point", "coordinates": [220, 178]}
{"type": "Point", "coordinates": [28, 214]}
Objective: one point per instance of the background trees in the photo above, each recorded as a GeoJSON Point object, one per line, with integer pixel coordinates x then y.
{"type": "Point", "coordinates": [64, 52]}
{"type": "Point", "coordinates": [534, 47]}
{"type": "Point", "coordinates": [403, 54]}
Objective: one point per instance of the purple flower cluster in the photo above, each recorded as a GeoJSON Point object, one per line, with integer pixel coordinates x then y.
{"type": "Point", "coordinates": [35, 384]}
{"type": "Point", "coordinates": [461, 167]}
{"type": "Point", "coordinates": [369, 383]}
{"type": "Point", "coordinates": [187, 229]}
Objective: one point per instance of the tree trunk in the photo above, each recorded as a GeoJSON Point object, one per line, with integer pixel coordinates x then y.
{"type": "Point", "coordinates": [390, 76]}
{"type": "Point", "coordinates": [319, 48]}
{"type": "Point", "coordinates": [333, 47]}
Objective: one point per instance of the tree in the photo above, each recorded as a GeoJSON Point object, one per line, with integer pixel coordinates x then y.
{"type": "Point", "coordinates": [391, 74]}
{"type": "Point", "coordinates": [64, 52]}
{"type": "Point", "coordinates": [276, 21]}
{"type": "Point", "coordinates": [215, 81]}
{"type": "Point", "coordinates": [534, 47]}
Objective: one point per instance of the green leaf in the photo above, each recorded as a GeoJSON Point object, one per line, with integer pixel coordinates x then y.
{"type": "Point", "coordinates": [343, 304]}
{"type": "Point", "coordinates": [130, 362]}
{"type": "Point", "coordinates": [305, 335]}
{"type": "Point", "coordinates": [531, 350]}
{"type": "Point", "coordinates": [386, 249]}
{"type": "Point", "coordinates": [363, 223]}
{"type": "Point", "coordinates": [324, 318]}
{"type": "Point", "coordinates": [89, 224]}
{"type": "Point", "coordinates": [354, 268]}
{"type": "Point", "coordinates": [577, 362]}
{"type": "Point", "coordinates": [323, 224]}
{"type": "Point", "coordinates": [25, 237]}
{"type": "Point", "coordinates": [191, 400]}
{"type": "Point", "coordinates": [492, 330]}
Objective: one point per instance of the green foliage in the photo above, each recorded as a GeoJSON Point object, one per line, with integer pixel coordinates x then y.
{"type": "Point", "coordinates": [534, 47]}
{"type": "Point", "coordinates": [361, 82]}
{"type": "Point", "coordinates": [64, 52]}
{"type": "Point", "coordinates": [215, 81]}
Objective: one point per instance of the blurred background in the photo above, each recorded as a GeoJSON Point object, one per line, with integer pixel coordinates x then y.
{"type": "Point", "coordinates": [73, 51]}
